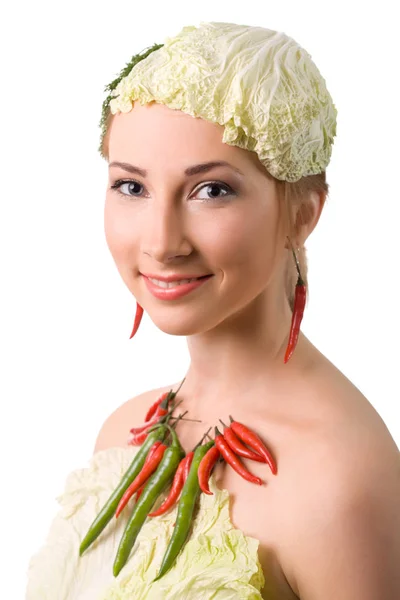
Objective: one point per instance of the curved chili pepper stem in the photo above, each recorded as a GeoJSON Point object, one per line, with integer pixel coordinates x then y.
{"type": "Point", "coordinates": [300, 279]}
{"type": "Point", "coordinates": [201, 441]}
{"type": "Point", "coordinates": [171, 395]}
{"type": "Point", "coordinates": [222, 423]}
{"type": "Point", "coordinates": [178, 418]}
{"type": "Point", "coordinates": [231, 419]}
{"type": "Point", "coordinates": [206, 434]}
{"type": "Point", "coordinates": [194, 420]}
{"type": "Point", "coordinates": [175, 441]}
{"type": "Point", "coordinates": [180, 385]}
{"type": "Point", "coordinates": [169, 427]}
{"type": "Point", "coordinates": [155, 426]}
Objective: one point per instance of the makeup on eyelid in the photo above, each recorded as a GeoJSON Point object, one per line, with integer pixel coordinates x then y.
{"type": "Point", "coordinates": [227, 188]}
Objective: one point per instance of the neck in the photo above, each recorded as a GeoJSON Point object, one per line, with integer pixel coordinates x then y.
{"type": "Point", "coordinates": [244, 352]}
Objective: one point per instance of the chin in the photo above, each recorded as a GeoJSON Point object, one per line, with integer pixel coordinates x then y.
{"type": "Point", "coordinates": [182, 326]}
{"type": "Point", "coordinates": [183, 329]}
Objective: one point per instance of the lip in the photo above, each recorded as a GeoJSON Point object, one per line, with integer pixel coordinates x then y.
{"type": "Point", "coordinates": [174, 276]}
{"type": "Point", "coordinates": [175, 292]}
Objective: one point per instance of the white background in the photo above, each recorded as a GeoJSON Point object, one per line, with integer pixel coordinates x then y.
{"type": "Point", "coordinates": [67, 361]}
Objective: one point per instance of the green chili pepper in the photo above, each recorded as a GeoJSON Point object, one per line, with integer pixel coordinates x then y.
{"type": "Point", "coordinates": [108, 510]}
{"type": "Point", "coordinates": [189, 495]}
{"type": "Point", "coordinates": [157, 483]}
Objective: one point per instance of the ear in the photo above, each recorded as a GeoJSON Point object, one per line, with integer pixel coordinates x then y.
{"type": "Point", "coordinates": [307, 215]}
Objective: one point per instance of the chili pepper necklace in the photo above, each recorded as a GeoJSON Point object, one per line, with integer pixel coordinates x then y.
{"type": "Point", "coordinates": [159, 464]}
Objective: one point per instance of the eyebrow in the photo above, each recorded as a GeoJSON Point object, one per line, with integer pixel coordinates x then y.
{"type": "Point", "coordinates": [194, 170]}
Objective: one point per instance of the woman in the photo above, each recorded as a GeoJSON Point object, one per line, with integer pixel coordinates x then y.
{"type": "Point", "coordinates": [326, 524]}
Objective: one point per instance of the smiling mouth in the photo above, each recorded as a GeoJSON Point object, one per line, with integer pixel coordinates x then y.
{"type": "Point", "coordinates": [172, 284]}
{"type": "Point", "coordinates": [172, 290]}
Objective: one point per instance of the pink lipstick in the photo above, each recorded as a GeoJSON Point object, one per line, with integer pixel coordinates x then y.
{"type": "Point", "coordinates": [174, 292]}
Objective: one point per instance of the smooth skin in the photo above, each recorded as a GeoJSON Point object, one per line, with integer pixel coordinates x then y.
{"type": "Point", "coordinates": [329, 522]}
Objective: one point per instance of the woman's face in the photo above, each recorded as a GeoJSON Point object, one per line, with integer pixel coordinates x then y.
{"type": "Point", "coordinates": [225, 221]}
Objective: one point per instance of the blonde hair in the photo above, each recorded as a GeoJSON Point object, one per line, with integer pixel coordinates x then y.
{"type": "Point", "coordinates": [291, 195]}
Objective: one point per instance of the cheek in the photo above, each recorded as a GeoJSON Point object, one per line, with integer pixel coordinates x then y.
{"type": "Point", "coordinates": [244, 240]}
{"type": "Point", "coordinates": [119, 232]}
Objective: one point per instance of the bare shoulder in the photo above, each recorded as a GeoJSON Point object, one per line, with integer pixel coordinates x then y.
{"type": "Point", "coordinates": [351, 442]}
{"type": "Point", "coordinates": [115, 429]}
{"type": "Point", "coordinates": [348, 493]}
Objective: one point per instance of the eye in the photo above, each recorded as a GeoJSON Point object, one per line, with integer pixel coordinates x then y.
{"type": "Point", "coordinates": [131, 183]}
{"type": "Point", "coordinates": [133, 189]}
{"type": "Point", "coordinates": [214, 189]}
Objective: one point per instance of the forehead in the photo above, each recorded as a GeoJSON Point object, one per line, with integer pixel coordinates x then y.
{"type": "Point", "coordinates": [156, 122]}
{"type": "Point", "coordinates": [153, 131]}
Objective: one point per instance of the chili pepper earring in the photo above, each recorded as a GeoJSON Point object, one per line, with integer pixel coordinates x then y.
{"type": "Point", "coordinates": [138, 318]}
{"type": "Point", "coordinates": [298, 310]}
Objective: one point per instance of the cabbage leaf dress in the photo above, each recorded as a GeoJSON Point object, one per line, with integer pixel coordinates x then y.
{"type": "Point", "coordinates": [217, 562]}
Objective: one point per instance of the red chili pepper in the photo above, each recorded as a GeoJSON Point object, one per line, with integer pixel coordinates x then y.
{"type": "Point", "coordinates": [148, 457]}
{"type": "Point", "coordinates": [150, 413]}
{"type": "Point", "coordinates": [232, 459]}
{"type": "Point", "coordinates": [137, 439]}
{"type": "Point", "coordinates": [177, 485]}
{"type": "Point", "coordinates": [205, 467]}
{"type": "Point", "coordinates": [188, 463]}
{"type": "Point", "coordinates": [299, 304]}
{"type": "Point", "coordinates": [160, 411]}
{"type": "Point", "coordinates": [189, 458]}
{"type": "Point", "coordinates": [138, 318]}
{"type": "Point", "coordinates": [152, 450]}
{"type": "Point", "coordinates": [239, 448]}
{"type": "Point", "coordinates": [252, 439]}
{"type": "Point", "coordinates": [144, 426]}
{"type": "Point", "coordinates": [298, 310]}
{"type": "Point", "coordinates": [148, 468]}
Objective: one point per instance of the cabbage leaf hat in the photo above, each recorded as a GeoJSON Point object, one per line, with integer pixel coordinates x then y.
{"type": "Point", "coordinates": [259, 84]}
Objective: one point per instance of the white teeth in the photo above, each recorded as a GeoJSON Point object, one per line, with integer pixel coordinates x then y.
{"type": "Point", "coordinates": [171, 284]}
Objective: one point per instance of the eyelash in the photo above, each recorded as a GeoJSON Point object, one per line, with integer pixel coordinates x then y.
{"type": "Point", "coordinates": [116, 186]}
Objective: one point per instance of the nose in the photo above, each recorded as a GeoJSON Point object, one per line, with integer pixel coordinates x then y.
{"type": "Point", "coordinates": [163, 232]}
